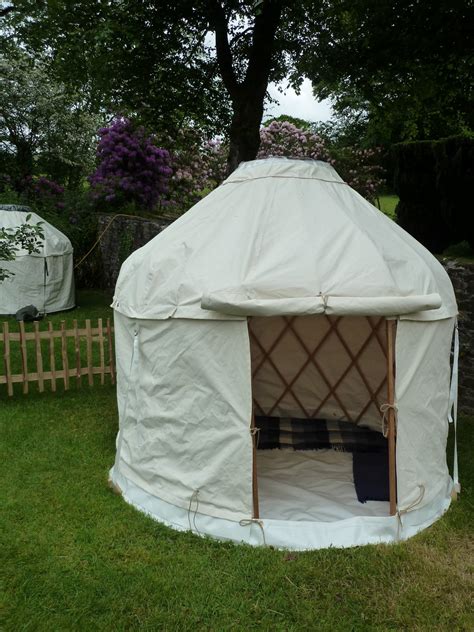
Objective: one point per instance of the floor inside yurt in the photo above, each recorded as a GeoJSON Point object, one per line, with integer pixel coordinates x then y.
{"type": "Point", "coordinates": [310, 485]}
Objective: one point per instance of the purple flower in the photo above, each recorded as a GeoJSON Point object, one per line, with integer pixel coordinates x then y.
{"type": "Point", "coordinates": [131, 167]}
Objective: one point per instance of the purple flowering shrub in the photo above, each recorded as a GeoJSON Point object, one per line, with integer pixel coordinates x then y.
{"type": "Point", "coordinates": [132, 169]}
{"type": "Point", "coordinates": [361, 169]}
{"type": "Point", "coordinates": [42, 193]}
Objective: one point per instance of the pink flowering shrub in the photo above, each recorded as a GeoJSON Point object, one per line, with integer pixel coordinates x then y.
{"type": "Point", "coordinates": [198, 166]}
{"type": "Point", "coordinates": [360, 168]}
{"type": "Point", "coordinates": [284, 139]}
{"type": "Point", "coordinates": [132, 169]}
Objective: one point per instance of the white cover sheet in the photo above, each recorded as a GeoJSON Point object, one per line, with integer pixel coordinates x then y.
{"type": "Point", "coordinates": [185, 409]}
{"type": "Point", "coordinates": [297, 535]}
{"type": "Point", "coordinates": [311, 485]}
{"type": "Point", "coordinates": [422, 397]}
{"type": "Point", "coordinates": [276, 233]}
{"type": "Point", "coordinates": [283, 236]}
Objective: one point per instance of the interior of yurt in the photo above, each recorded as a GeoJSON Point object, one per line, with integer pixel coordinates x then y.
{"type": "Point", "coordinates": [287, 367]}
{"type": "Point", "coordinates": [44, 279]}
{"type": "Point", "coordinates": [322, 394]}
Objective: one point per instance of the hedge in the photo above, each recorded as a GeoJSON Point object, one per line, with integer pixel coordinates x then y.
{"type": "Point", "coordinates": [434, 181]}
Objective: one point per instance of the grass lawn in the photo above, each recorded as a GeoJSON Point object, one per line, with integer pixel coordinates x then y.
{"type": "Point", "coordinates": [388, 204]}
{"type": "Point", "coordinates": [76, 557]}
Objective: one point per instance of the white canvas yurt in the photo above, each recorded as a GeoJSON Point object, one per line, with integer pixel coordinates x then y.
{"type": "Point", "coordinates": [43, 279]}
{"type": "Point", "coordinates": [283, 359]}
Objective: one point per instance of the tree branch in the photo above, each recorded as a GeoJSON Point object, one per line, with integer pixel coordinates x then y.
{"type": "Point", "coordinates": [260, 57]}
{"type": "Point", "coordinates": [224, 54]}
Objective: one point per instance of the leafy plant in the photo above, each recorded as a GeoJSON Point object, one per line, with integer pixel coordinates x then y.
{"type": "Point", "coordinates": [12, 240]}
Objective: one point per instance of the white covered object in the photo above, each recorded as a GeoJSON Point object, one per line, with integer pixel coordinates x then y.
{"type": "Point", "coordinates": [44, 279]}
{"type": "Point", "coordinates": [278, 238]}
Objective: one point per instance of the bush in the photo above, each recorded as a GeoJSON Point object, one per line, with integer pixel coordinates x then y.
{"type": "Point", "coordinates": [199, 165]}
{"type": "Point", "coordinates": [433, 180]}
{"type": "Point", "coordinates": [132, 169]}
{"type": "Point", "coordinates": [360, 168]}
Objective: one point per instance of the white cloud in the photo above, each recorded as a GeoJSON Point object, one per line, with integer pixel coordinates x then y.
{"type": "Point", "coordinates": [302, 105]}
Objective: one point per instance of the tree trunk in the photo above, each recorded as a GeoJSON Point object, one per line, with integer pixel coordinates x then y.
{"type": "Point", "coordinates": [244, 132]}
{"type": "Point", "coordinates": [24, 163]}
{"type": "Point", "coordinates": [247, 95]}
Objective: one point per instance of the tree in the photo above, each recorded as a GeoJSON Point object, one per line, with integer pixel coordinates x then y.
{"type": "Point", "coordinates": [203, 167]}
{"type": "Point", "coordinates": [26, 237]}
{"type": "Point", "coordinates": [147, 60]}
{"type": "Point", "coordinates": [403, 68]}
{"type": "Point", "coordinates": [153, 59]}
{"type": "Point", "coordinates": [41, 121]}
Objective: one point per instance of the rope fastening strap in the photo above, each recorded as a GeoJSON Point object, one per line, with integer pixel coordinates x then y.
{"type": "Point", "coordinates": [413, 504]}
{"type": "Point", "coordinates": [255, 432]}
{"type": "Point", "coordinates": [248, 522]}
{"type": "Point", "coordinates": [384, 408]}
{"type": "Point", "coordinates": [194, 497]}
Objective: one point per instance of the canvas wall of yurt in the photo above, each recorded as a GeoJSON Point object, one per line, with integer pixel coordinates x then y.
{"type": "Point", "coordinates": [44, 278]}
{"type": "Point", "coordinates": [284, 367]}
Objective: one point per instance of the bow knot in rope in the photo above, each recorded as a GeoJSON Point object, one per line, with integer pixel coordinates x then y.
{"type": "Point", "coordinates": [384, 409]}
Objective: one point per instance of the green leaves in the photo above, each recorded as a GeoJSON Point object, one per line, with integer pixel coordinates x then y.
{"type": "Point", "coordinates": [28, 237]}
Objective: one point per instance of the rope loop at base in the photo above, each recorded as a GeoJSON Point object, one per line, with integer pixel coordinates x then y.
{"type": "Point", "coordinates": [248, 522]}
{"type": "Point", "coordinates": [194, 496]}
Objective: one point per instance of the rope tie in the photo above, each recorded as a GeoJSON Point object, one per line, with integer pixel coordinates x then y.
{"type": "Point", "coordinates": [384, 408]}
{"type": "Point", "coordinates": [255, 432]}
{"type": "Point", "coordinates": [414, 504]}
{"type": "Point", "coordinates": [325, 299]}
{"type": "Point", "coordinates": [248, 522]}
{"type": "Point", "coordinates": [194, 497]}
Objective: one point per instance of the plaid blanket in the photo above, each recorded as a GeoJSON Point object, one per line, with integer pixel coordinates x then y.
{"type": "Point", "coordinates": [317, 434]}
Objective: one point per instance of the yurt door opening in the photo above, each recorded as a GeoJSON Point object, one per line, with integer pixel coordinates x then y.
{"type": "Point", "coordinates": [323, 417]}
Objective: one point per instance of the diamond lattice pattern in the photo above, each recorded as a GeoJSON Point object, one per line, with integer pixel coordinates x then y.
{"type": "Point", "coordinates": [330, 367]}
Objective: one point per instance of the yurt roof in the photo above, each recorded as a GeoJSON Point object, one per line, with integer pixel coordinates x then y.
{"type": "Point", "coordinates": [283, 236]}
{"type": "Point", "coordinates": [54, 243]}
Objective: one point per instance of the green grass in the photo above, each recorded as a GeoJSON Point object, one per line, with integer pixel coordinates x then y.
{"type": "Point", "coordinates": [388, 204]}
{"type": "Point", "coordinates": [77, 557]}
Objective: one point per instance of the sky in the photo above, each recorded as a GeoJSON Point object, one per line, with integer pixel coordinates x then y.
{"type": "Point", "coordinates": [302, 106]}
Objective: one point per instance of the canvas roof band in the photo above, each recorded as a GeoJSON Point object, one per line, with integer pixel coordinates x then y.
{"type": "Point", "coordinates": [239, 304]}
{"type": "Point", "coordinates": [231, 180]}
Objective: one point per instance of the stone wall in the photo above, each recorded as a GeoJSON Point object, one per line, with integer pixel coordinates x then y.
{"type": "Point", "coordinates": [121, 237]}
{"type": "Point", "coordinates": [126, 234]}
{"type": "Point", "coordinates": [462, 277]}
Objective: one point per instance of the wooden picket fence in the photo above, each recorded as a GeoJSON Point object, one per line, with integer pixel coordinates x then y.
{"type": "Point", "coordinates": [63, 370]}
